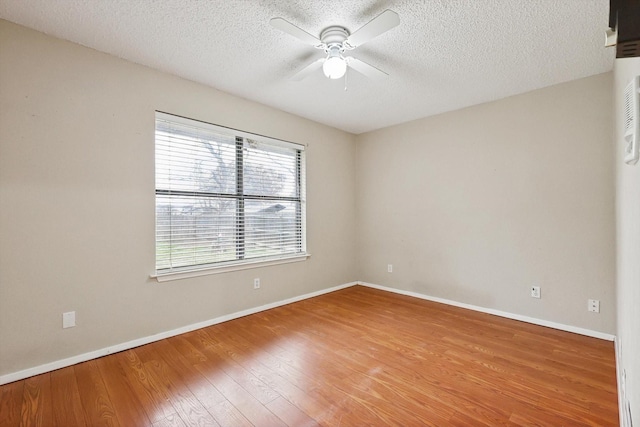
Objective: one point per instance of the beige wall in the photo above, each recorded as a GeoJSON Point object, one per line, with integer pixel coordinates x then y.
{"type": "Point", "coordinates": [628, 245]}
{"type": "Point", "coordinates": [479, 204]}
{"type": "Point", "coordinates": [77, 202]}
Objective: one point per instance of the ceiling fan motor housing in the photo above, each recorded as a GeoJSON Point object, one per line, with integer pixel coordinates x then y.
{"type": "Point", "coordinates": [334, 36]}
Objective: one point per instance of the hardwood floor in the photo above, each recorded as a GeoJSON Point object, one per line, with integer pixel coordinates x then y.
{"type": "Point", "coordinates": [354, 357]}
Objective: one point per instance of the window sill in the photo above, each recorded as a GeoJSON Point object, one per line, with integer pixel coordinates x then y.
{"type": "Point", "coordinates": [185, 274]}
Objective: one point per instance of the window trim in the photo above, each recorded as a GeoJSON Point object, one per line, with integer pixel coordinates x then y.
{"type": "Point", "coordinates": [177, 273]}
{"type": "Point", "coordinates": [230, 266]}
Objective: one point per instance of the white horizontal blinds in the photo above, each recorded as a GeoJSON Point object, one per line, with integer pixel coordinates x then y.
{"type": "Point", "coordinates": [272, 200]}
{"type": "Point", "coordinates": [224, 197]}
{"type": "Point", "coordinates": [195, 170]}
{"type": "Point", "coordinates": [194, 231]}
{"type": "Point", "coordinates": [189, 158]}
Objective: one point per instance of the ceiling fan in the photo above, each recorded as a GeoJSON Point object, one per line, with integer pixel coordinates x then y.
{"type": "Point", "coordinates": [335, 40]}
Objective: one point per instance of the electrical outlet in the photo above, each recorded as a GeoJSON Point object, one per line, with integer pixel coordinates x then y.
{"type": "Point", "coordinates": [389, 268]}
{"type": "Point", "coordinates": [593, 305]}
{"type": "Point", "coordinates": [256, 283]}
{"type": "Point", "coordinates": [69, 319]}
{"type": "Point", "coordinates": [535, 291]}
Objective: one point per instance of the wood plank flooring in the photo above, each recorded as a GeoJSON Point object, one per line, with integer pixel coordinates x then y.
{"type": "Point", "coordinates": [354, 357]}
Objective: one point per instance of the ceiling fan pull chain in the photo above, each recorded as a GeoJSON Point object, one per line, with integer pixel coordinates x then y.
{"type": "Point", "coordinates": [346, 73]}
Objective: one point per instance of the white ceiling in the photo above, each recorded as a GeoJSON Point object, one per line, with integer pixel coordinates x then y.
{"type": "Point", "coordinates": [444, 55]}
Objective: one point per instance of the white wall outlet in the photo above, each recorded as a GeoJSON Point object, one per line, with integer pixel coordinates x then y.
{"type": "Point", "coordinates": [256, 283]}
{"type": "Point", "coordinates": [69, 319]}
{"type": "Point", "coordinates": [593, 305]}
{"type": "Point", "coordinates": [535, 291]}
{"type": "Point", "coordinates": [389, 268]}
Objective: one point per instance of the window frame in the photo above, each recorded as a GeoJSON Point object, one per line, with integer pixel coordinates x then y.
{"type": "Point", "coordinates": [240, 262]}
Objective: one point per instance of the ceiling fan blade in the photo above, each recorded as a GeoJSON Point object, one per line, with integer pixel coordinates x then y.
{"type": "Point", "coordinates": [299, 33]}
{"type": "Point", "coordinates": [364, 68]}
{"type": "Point", "coordinates": [378, 25]}
{"type": "Point", "coordinates": [309, 69]}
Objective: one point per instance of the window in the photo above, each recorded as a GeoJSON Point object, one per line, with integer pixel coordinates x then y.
{"type": "Point", "coordinates": [225, 197]}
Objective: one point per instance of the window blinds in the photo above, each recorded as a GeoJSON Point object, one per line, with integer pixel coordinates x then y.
{"type": "Point", "coordinates": [225, 196]}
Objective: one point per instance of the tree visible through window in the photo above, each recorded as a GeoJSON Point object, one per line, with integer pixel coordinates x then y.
{"type": "Point", "coordinates": [225, 196]}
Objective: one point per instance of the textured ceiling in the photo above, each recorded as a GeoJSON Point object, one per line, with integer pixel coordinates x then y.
{"type": "Point", "coordinates": [444, 55]}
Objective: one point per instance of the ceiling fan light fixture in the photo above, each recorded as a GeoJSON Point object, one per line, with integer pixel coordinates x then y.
{"type": "Point", "coordinates": [335, 65]}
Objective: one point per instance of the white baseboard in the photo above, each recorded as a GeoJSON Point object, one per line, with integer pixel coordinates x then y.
{"type": "Point", "coordinates": [47, 367]}
{"type": "Point", "coordinates": [554, 325]}
{"type": "Point", "coordinates": [58, 364]}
